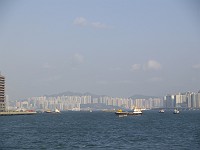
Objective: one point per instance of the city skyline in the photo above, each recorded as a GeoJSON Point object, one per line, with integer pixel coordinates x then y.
{"type": "Point", "coordinates": [77, 102]}
{"type": "Point", "coordinates": [116, 48]}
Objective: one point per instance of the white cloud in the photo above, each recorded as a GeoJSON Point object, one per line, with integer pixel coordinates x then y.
{"type": "Point", "coordinates": [135, 67]}
{"type": "Point", "coordinates": [78, 58]}
{"type": "Point", "coordinates": [80, 21]}
{"type": "Point", "coordinates": [152, 65]}
{"type": "Point", "coordinates": [83, 22]}
{"type": "Point", "coordinates": [197, 66]}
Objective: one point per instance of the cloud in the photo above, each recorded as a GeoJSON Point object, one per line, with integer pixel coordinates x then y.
{"type": "Point", "coordinates": [135, 67]}
{"type": "Point", "coordinates": [197, 66]}
{"type": "Point", "coordinates": [152, 65]}
{"type": "Point", "coordinates": [78, 58]}
{"type": "Point", "coordinates": [80, 21]}
{"type": "Point", "coordinates": [83, 22]}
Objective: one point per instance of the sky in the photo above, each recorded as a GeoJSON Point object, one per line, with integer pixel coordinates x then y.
{"type": "Point", "coordinates": [113, 47]}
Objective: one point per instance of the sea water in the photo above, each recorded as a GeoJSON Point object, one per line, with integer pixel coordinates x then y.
{"type": "Point", "coordinates": [101, 130]}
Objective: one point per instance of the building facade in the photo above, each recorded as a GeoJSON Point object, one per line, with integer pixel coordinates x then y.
{"type": "Point", "coordinates": [2, 93]}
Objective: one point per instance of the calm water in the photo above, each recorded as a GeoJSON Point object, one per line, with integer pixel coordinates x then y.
{"type": "Point", "coordinates": [101, 130]}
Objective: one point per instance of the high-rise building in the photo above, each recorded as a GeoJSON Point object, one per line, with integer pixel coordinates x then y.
{"type": "Point", "coordinates": [198, 99]}
{"type": "Point", "coordinates": [170, 101]}
{"type": "Point", "coordinates": [194, 100]}
{"type": "Point", "coordinates": [2, 93]}
{"type": "Point", "coordinates": [189, 99]}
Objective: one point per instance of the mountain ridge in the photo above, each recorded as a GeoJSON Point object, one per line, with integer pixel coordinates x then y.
{"type": "Point", "coordinates": [69, 93]}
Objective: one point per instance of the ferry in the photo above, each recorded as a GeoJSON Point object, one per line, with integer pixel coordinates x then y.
{"type": "Point", "coordinates": [121, 113]}
{"type": "Point", "coordinates": [136, 111]}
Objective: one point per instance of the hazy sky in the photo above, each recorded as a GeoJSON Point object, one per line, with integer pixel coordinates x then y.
{"type": "Point", "coordinates": [113, 47]}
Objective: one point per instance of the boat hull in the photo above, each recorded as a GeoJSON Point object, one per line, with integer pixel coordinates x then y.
{"type": "Point", "coordinates": [128, 113]}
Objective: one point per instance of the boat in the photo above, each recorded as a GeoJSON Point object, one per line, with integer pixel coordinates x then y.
{"type": "Point", "coordinates": [48, 111]}
{"type": "Point", "coordinates": [161, 111]}
{"type": "Point", "coordinates": [56, 111]}
{"type": "Point", "coordinates": [135, 111]}
{"type": "Point", "coordinates": [121, 113]}
{"type": "Point", "coordinates": [176, 111]}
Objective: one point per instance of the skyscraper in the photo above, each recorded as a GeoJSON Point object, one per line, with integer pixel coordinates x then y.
{"type": "Point", "coordinates": [170, 101]}
{"type": "Point", "coordinates": [2, 93]}
{"type": "Point", "coordinates": [198, 99]}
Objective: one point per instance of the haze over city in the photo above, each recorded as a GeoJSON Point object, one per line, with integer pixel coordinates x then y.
{"type": "Point", "coordinates": [116, 47]}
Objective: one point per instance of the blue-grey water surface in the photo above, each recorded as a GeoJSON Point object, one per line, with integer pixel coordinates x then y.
{"type": "Point", "coordinates": [101, 130]}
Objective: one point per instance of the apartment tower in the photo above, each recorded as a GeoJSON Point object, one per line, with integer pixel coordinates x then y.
{"type": "Point", "coordinates": [2, 93]}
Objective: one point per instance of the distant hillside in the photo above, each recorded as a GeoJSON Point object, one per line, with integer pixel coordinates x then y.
{"type": "Point", "coordinates": [69, 93]}
{"type": "Point", "coordinates": [142, 97]}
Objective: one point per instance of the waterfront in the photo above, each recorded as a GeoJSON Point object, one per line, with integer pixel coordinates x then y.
{"type": "Point", "coordinates": [101, 130]}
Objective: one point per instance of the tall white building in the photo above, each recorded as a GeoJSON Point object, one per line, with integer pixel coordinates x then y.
{"type": "Point", "coordinates": [189, 100]}
{"type": "Point", "coordinates": [198, 100]}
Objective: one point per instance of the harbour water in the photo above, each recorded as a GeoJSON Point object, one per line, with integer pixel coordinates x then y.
{"type": "Point", "coordinates": [101, 130]}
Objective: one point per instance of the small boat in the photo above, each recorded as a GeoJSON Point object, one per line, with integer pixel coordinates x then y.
{"type": "Point", "coordinates": [161, 111]}
{"type": "Point", "coordinates": [176, 111]}
{"type": "Point", "coordinates": [48, 111]}
{"type": "Point", "coordinates": [56, 111]}
{"type": "Point", "coordinates": [136, 111]}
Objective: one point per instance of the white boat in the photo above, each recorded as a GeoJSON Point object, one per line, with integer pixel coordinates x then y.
{"type": "Point", "coordinates": [57, 111]}
{"type": "Point", "coordinates": [137, 111]}
{"type": "Point", "coordinates": [161, 111]}
{"type": "Point", "coordinates": [176, 111]}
